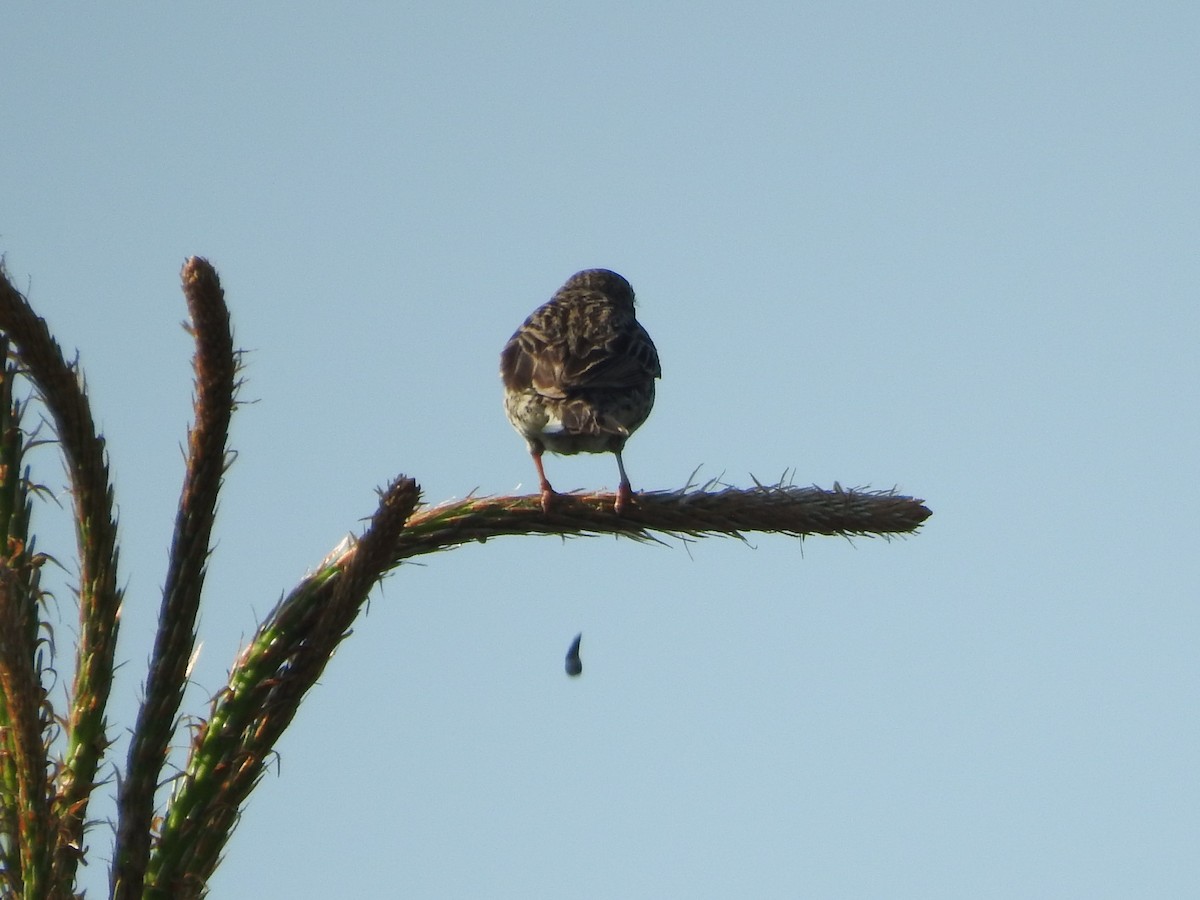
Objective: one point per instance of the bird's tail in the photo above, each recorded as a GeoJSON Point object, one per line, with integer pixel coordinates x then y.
{"type": "Point", "coordinates": [581, 417]}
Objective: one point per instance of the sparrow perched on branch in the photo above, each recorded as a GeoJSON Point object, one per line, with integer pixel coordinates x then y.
{"type": "Point", "coordinates": [579, 374]}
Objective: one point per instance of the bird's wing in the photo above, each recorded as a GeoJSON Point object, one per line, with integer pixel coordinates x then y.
{"type": "Point", "coordinates": [624, 358]}
{"type": "Point", "coordinates": [567, 347]}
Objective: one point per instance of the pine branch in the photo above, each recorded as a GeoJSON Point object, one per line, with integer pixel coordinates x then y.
{"type": "Point", "coordinates": [27, 824]}
{"type": "Point", "coordinates": [215, 365]}
{"type": "Point", "coordinates": [23, 749]}
{"type": "Point", "coordinates": [65, 398]}
{"type": "Point", "coordinates": [733, 512]}
{"type": "Point", "coordinates": [266, 686]}
{"type": "Point", "coordinates": [291, 648]}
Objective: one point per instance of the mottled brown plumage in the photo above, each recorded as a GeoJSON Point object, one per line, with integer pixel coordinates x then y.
{"type": "Point", "coordinates": [579, 374]}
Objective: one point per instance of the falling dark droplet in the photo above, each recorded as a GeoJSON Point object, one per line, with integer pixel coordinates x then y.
{"type": "Point", "coordinates": [574, 663]}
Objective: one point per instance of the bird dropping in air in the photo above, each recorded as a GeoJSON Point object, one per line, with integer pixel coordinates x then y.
{"type": "Point", "coordinates": [579, 374]}
{"type": "Point", "coordinates": [574, 663]}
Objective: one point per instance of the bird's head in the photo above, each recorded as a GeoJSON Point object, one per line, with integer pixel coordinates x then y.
{"type": "Point", "coordinates": [604, 281]}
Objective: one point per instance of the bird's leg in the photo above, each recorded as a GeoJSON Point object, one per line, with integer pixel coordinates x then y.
{"type": "Point", "coordinates": [547, 491]}
{"type": "Point", "coordinates": [624, 490]}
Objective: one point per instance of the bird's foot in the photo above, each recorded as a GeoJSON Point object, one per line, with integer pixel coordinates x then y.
{"type": "Point", "coordinates": [624, 499]}
{"type": "Point", "coordinates": [548, 498]}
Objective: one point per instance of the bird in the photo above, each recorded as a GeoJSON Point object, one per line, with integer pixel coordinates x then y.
{"type": "Point", "coordinates": [579, 375]}
{"type": "Point", "coordinates": [574, 663]}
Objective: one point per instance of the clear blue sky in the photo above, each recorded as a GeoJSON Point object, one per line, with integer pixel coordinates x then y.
{"type": "Point", "coordinates": [950, 247]}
